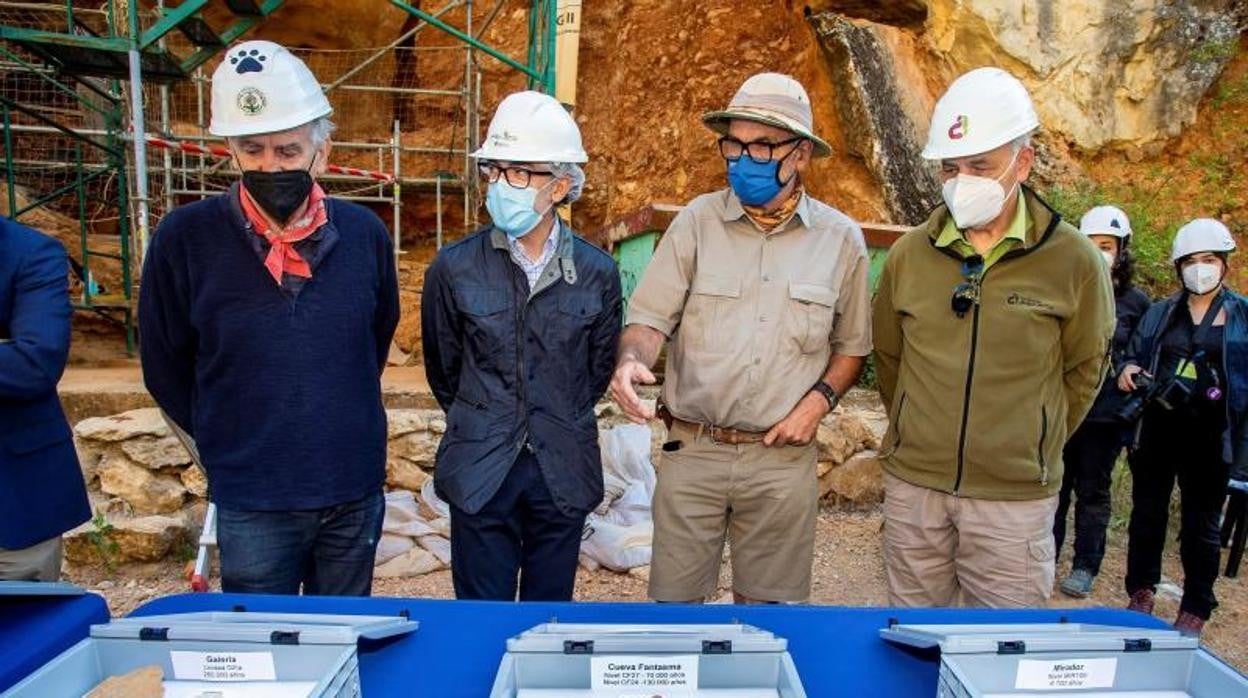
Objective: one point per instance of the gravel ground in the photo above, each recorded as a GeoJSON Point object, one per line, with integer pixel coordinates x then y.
{"type": "Point", "coordinates": [848, 571]}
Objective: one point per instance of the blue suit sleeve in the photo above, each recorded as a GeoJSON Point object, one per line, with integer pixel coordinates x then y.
{"type": "Point", "coordinates": [388, 308]}
{"type": "Point", "coordinates": [167, 340]}
{"type": "Point", "coordinates": [441, 334]}
{"type": "Point", "coordinates": [37, 347]}
{"type": "Point", "coordinates": [605, 336]}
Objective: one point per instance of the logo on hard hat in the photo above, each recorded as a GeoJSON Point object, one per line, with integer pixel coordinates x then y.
{"type": "Point", "coordinates": [251, 101]}
{"type": "Point", "coordinates": [248, 61]}
{"type": "Point", "coordinates": [1113, 223]}
{"type": "Point", "coordinates": [958, 129]}
{"type": "Point", "coordinates": [502, 137]}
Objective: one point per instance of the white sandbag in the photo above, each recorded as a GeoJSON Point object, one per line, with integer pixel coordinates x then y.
{"type": "Point", "coordinates": [391, 546]}
{"type": "Point", "coordinates": [616, 547]}
{"type": "Point", "coordinates": [439, 546]}
{"type": "Point", "coordinates": [431, 500]}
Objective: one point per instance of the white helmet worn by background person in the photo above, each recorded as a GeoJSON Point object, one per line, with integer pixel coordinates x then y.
{"type": "Point", "coordinates": [981, 111]}
{"type": "Point", "coordinates": [1201, 235]}
{"type": "Point", "coordinates": [1106, 220]}
{"type": "Point", "coordinates": [532, 127]}
{"type": "Point", "coordinates": [260, 87]}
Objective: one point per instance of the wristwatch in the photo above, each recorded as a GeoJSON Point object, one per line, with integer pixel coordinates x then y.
{"type": "Point", "coordinates": [828, 393]}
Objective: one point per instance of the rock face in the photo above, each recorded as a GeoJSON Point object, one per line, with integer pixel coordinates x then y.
{"type": "Point", "coordinates": [146, 492]}
{"type": "Point", "coordinates": [871, 106]}
{"type": "Point", "coordinates": [1102, 73]}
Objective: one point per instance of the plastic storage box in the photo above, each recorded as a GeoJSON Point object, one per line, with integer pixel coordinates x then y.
{"type": "Point", "coordinates": [563, 660]}
{"type": "Point", "coordinates": [262, 654]}
{"type": "Point", "coordinates": [1068, 659]}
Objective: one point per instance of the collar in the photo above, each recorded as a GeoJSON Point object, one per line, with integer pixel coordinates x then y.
{"type": "Point", "coordinates": [1017, 231]}
{"type": "Point", "coordinates": [734, 211]}
{"type": "Point", "coordinates": [563, 252]}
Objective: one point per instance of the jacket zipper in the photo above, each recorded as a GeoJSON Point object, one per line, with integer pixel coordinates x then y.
{"type": "Point", "coordinates": [522, 391]}
{"type": "Point", "coordinates": [1044, 432]}
{"type": "Point", "coordinates": [966, 396]}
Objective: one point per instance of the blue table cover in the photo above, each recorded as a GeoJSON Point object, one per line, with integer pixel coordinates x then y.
{"type": "Point", "coordinates": [457, 649]}
{"type": "Point", "coordinates": [34, 629]}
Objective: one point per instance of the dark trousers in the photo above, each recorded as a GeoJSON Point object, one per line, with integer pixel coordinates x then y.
{"type": "Point", "coordinates": [329, 552]}
{"type": "Point", "coordinates": [1194, 458]}
{"type": "Point", "coordinates": [1089, 457]}
{"type": "Point", "coordinates": [519, 533]}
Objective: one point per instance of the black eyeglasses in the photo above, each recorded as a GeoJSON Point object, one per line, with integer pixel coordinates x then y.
{"type": "Point", "coordinates": [759, 151]}
{"type": "Point", "coordinates": [966, 294]}
{"type": "Point", "coordinates": [516, 176]}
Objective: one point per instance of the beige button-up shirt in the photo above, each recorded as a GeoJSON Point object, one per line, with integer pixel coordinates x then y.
{"type": "Point", "coordinates": [753, 318]}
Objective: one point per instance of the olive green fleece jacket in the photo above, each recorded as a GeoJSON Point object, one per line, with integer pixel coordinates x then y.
{"type": "Point", "coordinates": [981, 405]}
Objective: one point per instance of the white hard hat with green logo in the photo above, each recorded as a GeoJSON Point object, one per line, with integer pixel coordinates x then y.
{"type": "Point", "coordinates": [981, 111]}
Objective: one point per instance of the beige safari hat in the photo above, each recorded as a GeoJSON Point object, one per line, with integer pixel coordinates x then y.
{"type": "Point", "coordinates": [772, 99]}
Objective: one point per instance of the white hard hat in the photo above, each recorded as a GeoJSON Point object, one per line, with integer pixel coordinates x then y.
{"type": "Point", "coordinates": [260, 87]}
{"type": "Point", "coordinates": [772, 99]}
{"type": "Point", "coordinates": [981, 111]}
{"type": "Point", "coordinates": [1105, 220]}
{"type": "Point", "coordinates": [532, 127]}
{"type": "Point", "coordinates": [1201, 235]}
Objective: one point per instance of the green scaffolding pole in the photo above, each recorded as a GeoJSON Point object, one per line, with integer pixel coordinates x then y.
{"type": "Point", "coordinates": [543, 76]}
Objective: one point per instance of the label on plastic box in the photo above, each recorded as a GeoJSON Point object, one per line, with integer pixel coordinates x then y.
{"type": "Point", "coordinates": [673, 675]}
{"type": "Point", "coordinates": [1065, 674]}
{"type": "Point", "coordinates": [223, 666]}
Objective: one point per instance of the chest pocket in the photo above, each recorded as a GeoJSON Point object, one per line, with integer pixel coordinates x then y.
{"type": "Point", "coordinates": [486, 321]}
{"type": "Point", "coordinates": [577, 311]}
{"type": "Point", "coordinates": [708, 316]}
{"type": "Point", "coordinates": [812, 308]}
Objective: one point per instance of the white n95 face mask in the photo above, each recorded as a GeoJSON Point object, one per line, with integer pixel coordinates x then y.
{"type": "Point", "coordinates": [975, 201]}
{"type": "Point", "coordinates": [1201, 278]}
{"type": "Point", "coordinates": [1110, 258]}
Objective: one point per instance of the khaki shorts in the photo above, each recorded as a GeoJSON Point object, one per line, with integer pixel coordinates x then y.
{"type": "Point", "coordinates": [40, 562]}
{"type": "Point", "coordinates": [942, 550]}
{"type": "Point", "coordinates": [763, 500]}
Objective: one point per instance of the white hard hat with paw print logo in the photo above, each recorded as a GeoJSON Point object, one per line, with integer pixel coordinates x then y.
{"type": "Point", "coordinates": [261, 87]}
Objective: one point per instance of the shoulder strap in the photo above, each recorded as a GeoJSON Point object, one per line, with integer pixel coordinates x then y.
{"type": "Point", "coordinates": [1196, 349]}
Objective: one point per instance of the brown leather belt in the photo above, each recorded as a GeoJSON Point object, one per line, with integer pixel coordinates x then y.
{"type": "Point", "coordinates": [718, 435]}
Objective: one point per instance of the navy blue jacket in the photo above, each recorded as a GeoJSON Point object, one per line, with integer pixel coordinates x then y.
{"type": "Point", "coordinates": [41, 490]}
{"type": "Point", "coordinates": [280, 387]}
{"type": "Point", "coordinates": [1130, 305]}
{"type": "Point", "coordinates": [513, 368]}
{"type": "Point", "coordinates": [1144, 351]}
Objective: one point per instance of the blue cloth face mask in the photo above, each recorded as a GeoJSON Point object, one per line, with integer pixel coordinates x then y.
{"type": "Point", "coordinates": [755, 183]}
{"type": "Point", "coordinates": [511, 208]}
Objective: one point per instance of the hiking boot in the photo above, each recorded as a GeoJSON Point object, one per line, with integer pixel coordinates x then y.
{"type": "Point", "coordinates": [1189, 624]}
{"type": "Point", "coordinates": [1078, 583]}
{"type": "Point", "coordinates": [1142, 601]}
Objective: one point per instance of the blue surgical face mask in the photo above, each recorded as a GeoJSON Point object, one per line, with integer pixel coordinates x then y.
{"type": "Point", "coordinates": [511, 208]}
{"type": "Point", "coordinates": [755, 183]}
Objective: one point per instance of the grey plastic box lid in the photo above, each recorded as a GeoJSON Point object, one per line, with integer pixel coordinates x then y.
{"type": "Point", "coordinates": [1034, 637]}
{"type": "Point", "coordinates": [627, 637]}
{"type": "Point", "coordinates": [262, 628]}
{"type": "Point", "coordinates": [40, 589]}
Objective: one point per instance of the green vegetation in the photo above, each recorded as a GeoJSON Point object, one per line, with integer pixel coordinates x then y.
{"type": "Point", "coordinates": [101, 537]}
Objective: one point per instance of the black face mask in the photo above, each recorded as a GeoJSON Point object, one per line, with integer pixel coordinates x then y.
{"type": "Point", "coordinates": [280, 194]}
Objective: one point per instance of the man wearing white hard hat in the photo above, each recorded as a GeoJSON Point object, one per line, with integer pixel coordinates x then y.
{"type": "Point", "coordinates": [520, 322]}
{"type": "Point", "coordinates": [267, 314]}
{"type": "Point", "coordinates": [761, 291]}
{"type": "Point", "coordinates": [1187, 369]}
{"type": "Point", "coordinates": [992, 327]}
{"type": "Point", "coordinates": [1092, 451]}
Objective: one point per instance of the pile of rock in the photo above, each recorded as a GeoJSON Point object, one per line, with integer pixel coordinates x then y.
{"type": "Point", "coordinates": [149, 495]}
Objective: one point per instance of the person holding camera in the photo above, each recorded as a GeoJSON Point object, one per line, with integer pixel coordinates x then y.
{"type": "Point", "coordinates": [1187, 370]}
{"type": "Point", "coordinates": [1093, 449]}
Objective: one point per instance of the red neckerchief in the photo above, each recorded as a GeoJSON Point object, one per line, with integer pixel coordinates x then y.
{"type": "Point", "coordinates": [282, 257]}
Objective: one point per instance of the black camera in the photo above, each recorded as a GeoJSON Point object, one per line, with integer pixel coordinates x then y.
{"type": "Point", "coordinates": [1168, 394]}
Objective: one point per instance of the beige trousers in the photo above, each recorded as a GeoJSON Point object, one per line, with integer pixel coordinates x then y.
{"type": "Point", "coordinates": [944, 550]}
{"type": "Point", "coordinates": [40, 562]}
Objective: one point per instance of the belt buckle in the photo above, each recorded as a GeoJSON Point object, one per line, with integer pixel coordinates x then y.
{"type": "Point", "coordinates": [711, 431]}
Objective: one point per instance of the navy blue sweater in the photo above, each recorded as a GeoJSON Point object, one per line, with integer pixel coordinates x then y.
{"type": "Point", "coordinates": [281, 389]}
